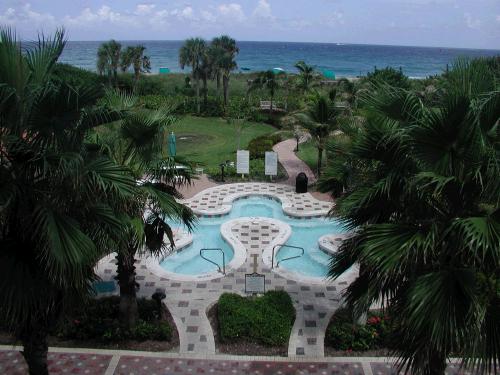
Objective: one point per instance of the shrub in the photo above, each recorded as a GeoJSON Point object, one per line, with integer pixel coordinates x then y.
{"type": "Point", "coordinates": [267, 319]}
{"type": "Point", "coordinates": [343, 334]}
{"type": "Point", "coordinates": [257, 172]}
{"type": "Point", "coordinates": [98, 320]}
{"type": "Point", "coordinates": [389, 76]}
{"type": "Point", "coordinates": [258, 146]}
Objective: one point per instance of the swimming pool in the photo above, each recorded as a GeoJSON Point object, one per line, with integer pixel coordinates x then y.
{"type": "Point", "coordinates": [305, 234]}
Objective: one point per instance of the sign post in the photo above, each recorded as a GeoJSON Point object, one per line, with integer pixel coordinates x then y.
{"type": "Point", "coordinates": [271, 164]}
{"type": "Point", "coordinates": [243, 162]}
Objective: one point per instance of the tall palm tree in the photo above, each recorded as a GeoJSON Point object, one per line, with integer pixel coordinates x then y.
{"type": "Point", "coordinates": [108, 59]}
{"type": "Point", "coordinates": [320, 119]}
{"type": "Point", "coordinates": [56, 219]}
{"type": "Point", "coordinates": [306, 75]}
{"type": "Point", "coordinates": [135, 144]}
{"type": "Point", "coordinates": [191, 54]}
{"type": "Point", "coordinates": [227, 61]}
{"type": "Point", "coordinates": [134, 55]}
{"type": "Point", "coordinates": [426, 220]}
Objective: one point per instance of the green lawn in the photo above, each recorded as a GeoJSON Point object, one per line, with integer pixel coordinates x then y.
{"type": "Point", "coordinates": [308, 153]}
{"type": "Point", "coordinates": [210, 141]}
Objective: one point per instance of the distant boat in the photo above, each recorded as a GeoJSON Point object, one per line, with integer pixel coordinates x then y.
{"type": "Point", "coordinates": [340, 44]}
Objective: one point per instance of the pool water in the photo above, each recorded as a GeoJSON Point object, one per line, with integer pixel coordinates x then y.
{"type": "Point", "coordinates": [305, 233]}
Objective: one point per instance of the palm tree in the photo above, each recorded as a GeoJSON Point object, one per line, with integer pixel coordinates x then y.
{"type": "Point", "coordinates": [55, 189]}
{"type": "Point", "coordinates": [226, 62]}
{"type": "Point", "coordinates": [135, 144]}
{"type": "Point", "coordinates": [320, 119]}
{"type": "Point", "coordinates": [426, 220]}
{"type": "Point", "coordinates": [134, 55]}
{"type": "Point", "coordinates": [267, 80]}
{"type": "Point", "coordinates": [108, 59]}
{"type": "Point", "coordinates": [306, 75]}
{"type": "Point", "coordinates": [191, 54]}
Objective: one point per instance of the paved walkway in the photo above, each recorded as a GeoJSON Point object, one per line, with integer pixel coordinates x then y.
{"type": "Point", "coordinates": [109, 362]}
{"type": "Point", "coordinates": [292, 164]}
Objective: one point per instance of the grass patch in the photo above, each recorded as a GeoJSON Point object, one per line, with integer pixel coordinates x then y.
{"type": "Point", "coordinates": [210, 141]}
{"type": "Point", "coordinates": [266, 320]}
{"type": "Point", "coordinates": [308, 153]}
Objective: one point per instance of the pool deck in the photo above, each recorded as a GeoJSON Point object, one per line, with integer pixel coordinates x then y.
{"type": "Point", "coordinates": [189, 298]}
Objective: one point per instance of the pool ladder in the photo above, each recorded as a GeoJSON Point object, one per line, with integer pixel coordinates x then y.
{"type": "Point", "coordinates": [282, 260]}
{"type": "Point", "coordinates": [221, 270]}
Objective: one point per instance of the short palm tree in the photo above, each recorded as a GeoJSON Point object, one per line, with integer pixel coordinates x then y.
{"type": "Point", "coordinates": [306, 75]}
{"type": "Point", "coordinates": [108, 59]}
{"type": "Point", "coordinates": [56, 219]}
{"type": "Point", "coordinates": [135, 143]}
{"type": "Point", "coordinates": [191, 54]}
{"type": "Point", "coordinates": [227, 61]}
{"type": "Point", "coordinates": [269, 81]}
{"type": "Point", "coordinates": [426, 220]}
{"type": "Point", "coordinates": [320, 118]}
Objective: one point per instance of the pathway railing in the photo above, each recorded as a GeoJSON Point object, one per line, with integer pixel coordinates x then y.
{"type": "Point", "coordinates": [223, 269]}
{"type": "Point", "coordinates": [282, 260]}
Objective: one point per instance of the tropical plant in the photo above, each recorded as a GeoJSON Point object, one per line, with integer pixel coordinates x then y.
{"type": "Point", "coordinates": [134, 55]}
{"type": "Point", "coordinates": [320, 118]}
{"type": "Point", "coordinates": [135, 143]}
{"type": "Point", "coordinates": [191, 54]}
{"type": "Point", "coordinates": [306, 75]}
{"type": "Point", "coordinates": [226, 62]}
{"type": "Point", "coordinates": [388, 76]}
{"type": "Point", "coordinates": [108, 59]}
{"type": "Point", "coordinates": [56, 219]}
{"type": "Point", "coordinates": [426, 220]}
{"type": "Point", "coordinates": [269, 81]}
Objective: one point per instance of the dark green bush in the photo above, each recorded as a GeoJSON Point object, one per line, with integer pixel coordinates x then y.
{"type": "Point", "coordinates": [267, 320]}
{"type": "Point", "coordinates": [256, 172]}
{"type": "Point", "coordinates": [343, 334]}
{"type": "Point", "coordinates": [98, 320]}
{"type": "Point", "coordinates": [390, 76]}
{"type": "Point", "coordinates": [258, 146]}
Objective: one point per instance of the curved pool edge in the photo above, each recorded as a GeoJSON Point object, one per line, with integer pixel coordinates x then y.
{"type": "Point", "coordinates": [287, 204]}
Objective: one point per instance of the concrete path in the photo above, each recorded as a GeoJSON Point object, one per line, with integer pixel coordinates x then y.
{"type": "Point", "coordinates": [292, 164]}
{"type": "Point", "coordinates": [122, 362]}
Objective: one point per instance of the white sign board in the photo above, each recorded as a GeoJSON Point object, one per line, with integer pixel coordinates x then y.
{"type": "Point", "coordinates": [271, 163]}
{"type": "Point", "coordinates": [243, 162]}
{"type": "Point", "coordinates": [255, 283]}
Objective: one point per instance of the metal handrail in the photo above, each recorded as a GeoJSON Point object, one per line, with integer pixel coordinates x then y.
{"type": "Point", "coordinates": [282, 260]}
{"type": "Point", "coordinates": [223, 270]}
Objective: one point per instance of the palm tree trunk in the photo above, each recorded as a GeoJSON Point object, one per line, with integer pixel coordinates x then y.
{"type": "Point", "coordinates": [35, 350]}
{"type": "Point", "coordinates": [437, 363]}
{"type": "Point", "coordinates": [218, 83]}
{"type": "Point", "coordinates": [225, 86]}
{"type": "Point", "coordinates": [198, 108]}
{"type": "Point", "coordinates": [205, 92]}
{"type": "Point", "coordinates": [320, 157]}
{"type": "Point", "coordinates": [128, 294]}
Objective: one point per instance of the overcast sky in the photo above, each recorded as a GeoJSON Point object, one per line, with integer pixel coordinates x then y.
{"type": "Point", "coordinates": [447, 23]}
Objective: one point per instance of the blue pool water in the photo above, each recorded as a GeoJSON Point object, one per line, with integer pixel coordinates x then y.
{"type": "Point", "coordinates": [305, 233]}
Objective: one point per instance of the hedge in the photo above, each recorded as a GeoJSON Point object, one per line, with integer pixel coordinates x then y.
{"type": "Point", "coordinates": [267, 319]}
{"type": "Point", "coordinates": [98, 320]}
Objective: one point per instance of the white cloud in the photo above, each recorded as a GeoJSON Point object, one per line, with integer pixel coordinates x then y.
{"type": "Point", "coordinates": [208, 16]}
{"type": "Point", "coordinates": [232, 11]}
{"type": "Point", "coordinates": [333, 19]}
{"type": "Point", "coordinates": [26, 15]}
{"type": "Point", "coordinates": [263, 10]}
{"type": "Point", "coordinates": [471, 22]}
{"type": "Point", "coordinates": [144, 9]}
{"type": "Point", "coordinates": [103, 15]}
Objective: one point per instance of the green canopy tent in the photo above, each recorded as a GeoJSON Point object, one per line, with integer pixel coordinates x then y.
{"type": "Point", "coordinates": [172, 144]}
{"type": "Point", "coordinates": [278, 70]}
{"type": "Point", "coordinates": [164, 70]}
{"type": "Point", "coordinates": [329, 74]}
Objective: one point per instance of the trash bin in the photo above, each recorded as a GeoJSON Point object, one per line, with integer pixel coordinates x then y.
{"type": "Point", "coordinates": [301, 183]}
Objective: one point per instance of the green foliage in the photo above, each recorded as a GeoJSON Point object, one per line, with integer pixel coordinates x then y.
{"type": "Point", "coordinates": [258, 146]}
{"type": "Point", "coordinates": [267, 319]}
{"type": "Point", "coordinates": [256, 172]}
{"type": "Point", "coordinates": [77, 77]}
{"type": "Point", "coordinates": [389, 76]}
{"type": "Point", "coordinates": [343, 334]}
{"type": "Point", "coordinates": [99, 320]}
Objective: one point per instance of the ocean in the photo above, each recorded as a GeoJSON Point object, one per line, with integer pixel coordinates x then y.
{"type": "Point", "coordinates": [346, 60]}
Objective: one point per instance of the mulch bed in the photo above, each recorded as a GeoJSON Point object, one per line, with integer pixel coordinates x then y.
{"type": "Point", "coordinates": [242, 347]}
{"type": "Point", "coordinates": [331, 352]}
{"type": "Point", "coordinates": [149, 345]}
